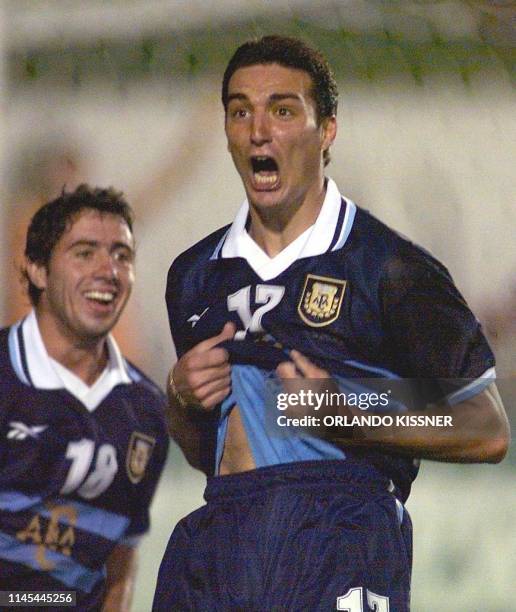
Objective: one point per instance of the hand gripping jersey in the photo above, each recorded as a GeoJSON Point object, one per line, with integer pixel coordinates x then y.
{"type": "Point", "coordinates": [355, 297]}
{"type": "Point", "coordinates": [77, 472]}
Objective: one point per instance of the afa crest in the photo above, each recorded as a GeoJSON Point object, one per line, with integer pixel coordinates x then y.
{"type": "Point", "coordinates": [321, 300]}
{"type": "Point", "coordinates": [138, 455]}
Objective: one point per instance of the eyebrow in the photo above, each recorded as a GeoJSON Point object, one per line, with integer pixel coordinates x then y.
{"type": "Point", "coordinates": [284, 96]}
{"type": "Point", "coordinates": [275, 97]}
{"type": "Point", "coordinates": [96, 243]}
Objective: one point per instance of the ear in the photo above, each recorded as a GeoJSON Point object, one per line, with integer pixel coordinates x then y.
{"type": "Point", "coordinates": [37, 274]}
{"type": "Point", "coordinates": [328, 132]}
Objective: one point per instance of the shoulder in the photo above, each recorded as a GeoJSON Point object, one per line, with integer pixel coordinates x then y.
{"type": "Point", "coordinates": [395, 255]}
{"type": "Point", "coordinates": [143, 383]}
{"type": "Point", "coordinates": [378, 235]}
{"type": "Point", "coordinates": [198, 256]}
{"type": "Point", "coordinates": [190, 271]}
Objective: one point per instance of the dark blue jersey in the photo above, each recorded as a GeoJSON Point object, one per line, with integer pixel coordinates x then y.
{"type": "Point", "coordinates": [74, 481]}
{"type": "Point", "coordinates": [354, 296]}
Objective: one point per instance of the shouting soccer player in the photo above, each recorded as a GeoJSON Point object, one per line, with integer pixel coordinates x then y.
{"type": "Point", "coordinates": [306, 285]}
{"type": "Point", "coordinates": [83, 434]}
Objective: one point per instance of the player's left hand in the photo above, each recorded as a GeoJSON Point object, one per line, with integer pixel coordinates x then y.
{"type": "Point", "coordinates": [301, 374]}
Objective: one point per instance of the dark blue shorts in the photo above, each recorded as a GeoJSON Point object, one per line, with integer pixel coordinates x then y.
{"type": "Point", "coordinates": [292, 537]}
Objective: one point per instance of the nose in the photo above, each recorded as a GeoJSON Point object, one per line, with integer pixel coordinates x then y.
{"type": "Point", "coordinates": [106, 265]}
{"type": "Point", "coordinates": [260, 128]}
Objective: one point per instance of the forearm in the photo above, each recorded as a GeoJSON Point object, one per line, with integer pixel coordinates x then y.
{"type": "Point", "coordinates": [121, 574]}
{"type": "Point", "coordinates": [199, 381]}
{"type": "Point", "coordinates": [185, 426]}
{"type": "Point", "coordinates": [186, 433]}
{"type": "Point", "coordinates": [478, 431]}
{"type": "Point", "coordinates": [427, 442]}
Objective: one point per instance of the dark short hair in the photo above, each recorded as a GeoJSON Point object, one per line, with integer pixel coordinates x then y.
{"type": "Point", "coordinates": [52, 220]}
{"type": "Point", "coordinates": [290, 53]}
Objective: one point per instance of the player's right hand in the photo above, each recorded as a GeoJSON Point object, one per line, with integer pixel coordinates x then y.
{"type": "Point", "coordinates": [202, 376]}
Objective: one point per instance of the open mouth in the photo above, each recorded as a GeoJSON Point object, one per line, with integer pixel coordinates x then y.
{"type": "Point", "coordinates": [265, 171]}
{"type": "Point", "coordinates": [100, 297]}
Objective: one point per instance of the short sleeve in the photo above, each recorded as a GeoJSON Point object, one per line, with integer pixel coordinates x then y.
{"type": "Point", "coordinates": [176, 309]}
{"type": "Point", "coordinates": [182, 287]}
{"type": "Point", "coordinates": [431, 331]}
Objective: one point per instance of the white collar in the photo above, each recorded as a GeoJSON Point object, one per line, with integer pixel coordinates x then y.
{"type": "Point", "coordinates": [328, 233]}
{"type": "Point", "coordinates": [35, 367]}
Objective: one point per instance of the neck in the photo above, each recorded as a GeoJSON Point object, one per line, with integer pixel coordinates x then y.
{"type": "Point", "coordinates": [86, 358]}
{"type": "Point", "coordinates": [276, 227]}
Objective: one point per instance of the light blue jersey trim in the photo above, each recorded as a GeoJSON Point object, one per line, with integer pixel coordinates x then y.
{"type": "Point", "coordinates": [12, 501]}
{"type": "Point", "coordinates": [473, 388]}
{"type": "Point", "coordinates": [133, 374]}
{"type": "Point", "coordinates": [66, 570]}
{"type": "Point", "coordinates": [105, 524]}
{"type": "Point", "coordinates": [372, 369]}
{"type": "Point", "coordinates": [215, 254]}
{"type": "Point", "coordinates": [100, 522]}
{"type": "Point", "coordinates": [400, 510]}
{"type": "Point", "coordinates": [225, 410]}
{"type": "Point", "coordinates": [131, 541]}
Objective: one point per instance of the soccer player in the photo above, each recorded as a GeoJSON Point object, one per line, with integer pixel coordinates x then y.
{"type": "Point", "coordinates": [83, 432]}
{"type": "Point", "coordinates": [306, 285]}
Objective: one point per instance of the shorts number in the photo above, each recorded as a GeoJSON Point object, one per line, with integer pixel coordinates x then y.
{"type": "Point", "coordinates": [81, 454]}
{"type": "Point", "coordinates": [352, 601]}
{"type": "Point", "coordinates": [267, 295]}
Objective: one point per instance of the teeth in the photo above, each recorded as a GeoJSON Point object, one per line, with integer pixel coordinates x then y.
{"type": "Point", "coordinates": [267, 179]}
{"type": "Point", "coordinates": [101, 296]}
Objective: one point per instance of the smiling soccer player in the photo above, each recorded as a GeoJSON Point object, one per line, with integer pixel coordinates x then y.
{"type": "Point", "coordinates": [83, 436]}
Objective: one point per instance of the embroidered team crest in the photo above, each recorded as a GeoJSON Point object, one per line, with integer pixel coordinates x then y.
{"type": "Point", "coordinates": [138, 455]}
{"type": "Point", "coordinates": [321, 300]}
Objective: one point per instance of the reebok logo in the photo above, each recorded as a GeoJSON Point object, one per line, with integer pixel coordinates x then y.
{"type": "Point", "coordinates": [194, 319]}
{"type": "Point", "coordinates": [20, 431]}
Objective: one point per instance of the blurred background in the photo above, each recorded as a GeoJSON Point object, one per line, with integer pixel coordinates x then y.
{"type": "Point", "coordinates": [126, 93]}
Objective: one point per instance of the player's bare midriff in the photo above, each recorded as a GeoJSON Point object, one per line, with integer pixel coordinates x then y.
{"type": "Point", "coordinates": [236, 456]}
